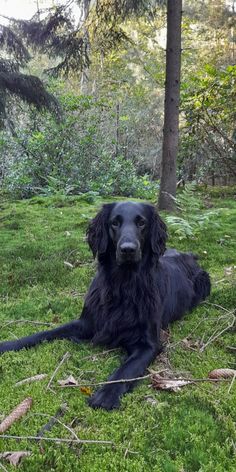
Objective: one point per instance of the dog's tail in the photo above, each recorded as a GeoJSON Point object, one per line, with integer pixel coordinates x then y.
{"type": "Point", "coordinates": [202, 286]}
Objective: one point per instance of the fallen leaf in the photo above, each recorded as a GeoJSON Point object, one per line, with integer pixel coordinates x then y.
{"type": "Point", "coordinates": [74, 293]}
{"type": "Point", "coordinates": [229, 270]}
{"type": "Point", "coordinates": [151, 400]}
{"type": "Point", "coordinates": [163, 361]}
{"type": "Point", "coordinates": [160, 383]}
{"type": "Point", "coordinates": [16, 414]}
{"type": "Point", "coordinates": [69, 381]}
{"type": "Point", "coordinates": [14, 457]}
{"type": "Point", "coordinates": [189, 343]}
{"type": "Point", "coordinates": [94, 358]}
{"type": "Point", "coordinates": [86, 390]}
{"type": "Point", "coordinates": [222, 374]}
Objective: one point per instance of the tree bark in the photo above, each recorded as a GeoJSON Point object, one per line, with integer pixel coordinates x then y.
{"type": "Point", "coordinates": [171, 112]}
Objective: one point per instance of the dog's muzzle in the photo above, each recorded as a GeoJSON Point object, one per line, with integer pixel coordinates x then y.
{"type": "Point", "coordinates": [128, 252]}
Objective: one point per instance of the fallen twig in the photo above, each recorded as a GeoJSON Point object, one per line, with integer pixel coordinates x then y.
{"type": "Point", "coordinates": [173, 345]}
{"type": "Point", "coordinates": [128, 451]}
{"type": "Point", "coordinates": [221, 280]}
{"type": "Point", "coordinates": [216, 334]}
{"type": "Point", "coordinates": [91, 356]}
{"type": "Point", "coordinates": [217, 306]}
{"type": "Point", "coordinates": [194, 380]}
{"type": "Point", "coordinates": [53, 419]}
{"type": "Point", "coordinates": [142, 378]}
{"type": "Point", "coordinates": [35, 378]}
{"type": "Point", "coordinates": [65, 357]}
{"type": "Point", "coordinates": [56, 420]}
{"type": "Point", "coordinates": [3, 467]}
{"type": "Point", "coordinates": [108, 382]}
{"type": "Point", "coordinates": [39, 323]}
{"type": "Point", "coordinates": [60, 440]}
{"type": "Point", "coordinates": [232, 382]}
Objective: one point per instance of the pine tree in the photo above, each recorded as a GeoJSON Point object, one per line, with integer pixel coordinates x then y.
{"type": "Point", "coordinates": [13, 81]}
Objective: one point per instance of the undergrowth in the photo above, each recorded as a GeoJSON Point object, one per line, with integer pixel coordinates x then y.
{"type": "Point", "coordinates": [46, 268]}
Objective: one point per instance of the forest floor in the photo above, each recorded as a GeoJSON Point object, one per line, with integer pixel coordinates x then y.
{"type": "Point", "coordinates": [46, 268]}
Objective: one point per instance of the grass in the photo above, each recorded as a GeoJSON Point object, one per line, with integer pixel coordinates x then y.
{"type": "Point", "coordinates": [191, 430]}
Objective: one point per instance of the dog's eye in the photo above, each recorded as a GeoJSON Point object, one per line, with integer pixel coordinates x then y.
{"type": "Point", "coordinates": [115, 224]}
{"type": "Point", "coordinates": [141, 223]}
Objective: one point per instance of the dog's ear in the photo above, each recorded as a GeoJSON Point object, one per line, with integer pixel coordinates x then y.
{"type": "Point", "coordinates": [98, 231]}
{"type": "Point", "coordinates": [158, 233]}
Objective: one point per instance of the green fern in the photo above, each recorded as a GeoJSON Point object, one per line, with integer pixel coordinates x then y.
{"type": "Point", "coordinates": [192, 218]}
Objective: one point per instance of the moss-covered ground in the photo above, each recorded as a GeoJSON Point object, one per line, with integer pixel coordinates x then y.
{"type": "Point", "coordinates": [187, 431]}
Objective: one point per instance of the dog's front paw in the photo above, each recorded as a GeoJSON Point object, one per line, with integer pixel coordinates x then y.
{"type": "Point", "coordinates": [104, 398]}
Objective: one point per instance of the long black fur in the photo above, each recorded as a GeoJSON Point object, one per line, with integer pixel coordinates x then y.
{"type": "Point", "coordinates": [134, 293]}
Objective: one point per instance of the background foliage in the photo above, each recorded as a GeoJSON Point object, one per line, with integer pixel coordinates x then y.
{"type": "Point", "coordinates": [109, 138]}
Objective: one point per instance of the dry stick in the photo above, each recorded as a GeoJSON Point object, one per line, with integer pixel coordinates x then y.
{"type": "Point", "coordinates": [65, 357]}
{"type": "Point", "coordinates": [173, 345]}
{"type": "Point", "coordinates": [98, 354]}
{"type": "Point", "coordinates": [221, 280]}
{"type": "Point", "coordinates": [192, 380]}
{"type": "Point", "coordinates": [27, 321]}
{"type": "Point", "coordinates": [109, 382]}
{"type": "Point", "coordinates": [54, 419]}
{"type": "Point", "coordinates": [60, 440]}
{"type": "Point", "coordinates": [48, 426]}
{"type": "Point", "coordinates": [216, 332]}
{"type": "Point", "coordinates": [217, 306]}
{"type": "Point", "coordinates": [3, 467]}
{"type": "Point", "coordinates": [164, 379]}
{"type": "Point", "coordinates": [213, 338]}
{"type": "Point", "coordinates": [127, 451]}
{"type": "Point", "coordinates": [231, 385]}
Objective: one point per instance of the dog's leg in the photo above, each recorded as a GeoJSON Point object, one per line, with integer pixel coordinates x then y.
{"type": "Point", "coordinates": [135, 365]}
{"type": "Point", "coordinates": [75, 331]}
{"type": "Point", "coordinates": [202, 287]}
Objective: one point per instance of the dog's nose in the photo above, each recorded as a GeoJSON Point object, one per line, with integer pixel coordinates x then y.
{"type": "Point", "coordinates": [128, 248]}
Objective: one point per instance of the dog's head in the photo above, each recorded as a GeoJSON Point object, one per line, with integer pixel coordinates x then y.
{"type": "Point", "coordinates": [129, 229]}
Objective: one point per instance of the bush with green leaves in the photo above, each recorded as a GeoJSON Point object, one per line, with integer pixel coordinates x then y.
{"type": "Point", "coordinates": [72, 156]}
{"type": "Point", "coordinates": [208, 135]}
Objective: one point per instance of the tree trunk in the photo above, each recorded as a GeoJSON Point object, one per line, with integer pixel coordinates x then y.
{"type": "Point", "coordinates": [171, 113]}
{"type": "Point", "coordinates": [117, 145]}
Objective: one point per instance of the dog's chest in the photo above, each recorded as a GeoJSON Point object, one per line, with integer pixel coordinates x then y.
{"type": "Point", "coordinates": [122, 314]}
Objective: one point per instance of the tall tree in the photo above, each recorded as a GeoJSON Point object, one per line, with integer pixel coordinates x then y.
{"type": "Point", "coordinates": [55, 32]}
{"type": "Point", "coordinates": [171, 113]}
{"type": "Point", "coordinates": [13, 81]}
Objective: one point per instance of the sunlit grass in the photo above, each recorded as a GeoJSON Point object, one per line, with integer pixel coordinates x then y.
{"type": "Point", "coordinates": [192, 430]}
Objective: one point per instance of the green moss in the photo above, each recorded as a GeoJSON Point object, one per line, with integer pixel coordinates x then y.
{"type": "Point", "coordinates": [191, 430]}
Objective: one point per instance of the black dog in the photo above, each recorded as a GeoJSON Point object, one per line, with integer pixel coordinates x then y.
{"type": "Point", "coordinates": [139, 288]}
